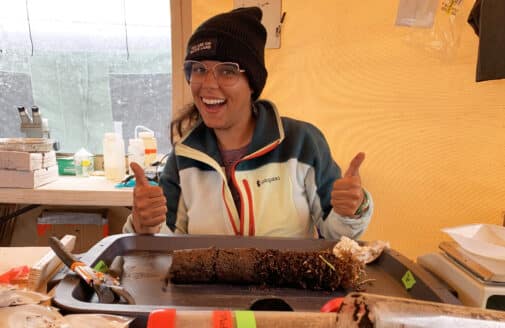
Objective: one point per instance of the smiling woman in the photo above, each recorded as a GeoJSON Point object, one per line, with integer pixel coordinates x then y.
{"type": "Point", "coordinates": [86, 64]}
{"type": "Point", "coordinates": [239, 167]}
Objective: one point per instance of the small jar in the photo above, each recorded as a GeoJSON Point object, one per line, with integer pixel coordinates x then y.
{"type": "Point", "coordinates": [83, 163]}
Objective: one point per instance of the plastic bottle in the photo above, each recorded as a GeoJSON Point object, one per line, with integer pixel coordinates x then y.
{"type": "Point", "coordinates": [113, 157]}
{"type": "Point", "coordinates": [150, 148]}
{"type": "Point", "coordinates": [136, 152]}
{"type": "Point", "coordinates": [83, 162]}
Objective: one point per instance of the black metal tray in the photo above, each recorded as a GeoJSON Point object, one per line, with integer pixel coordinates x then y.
{"type": "Point", "coordinates": [148, 259]}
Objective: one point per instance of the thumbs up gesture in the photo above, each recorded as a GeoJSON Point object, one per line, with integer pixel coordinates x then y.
{"type": "Point", "coordinates": [347, 194]}
{"type": "Point", "coordinates": [149, 203]}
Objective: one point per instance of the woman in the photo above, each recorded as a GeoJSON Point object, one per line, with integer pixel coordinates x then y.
{"type": "Point", "coordinates": [238, 167]}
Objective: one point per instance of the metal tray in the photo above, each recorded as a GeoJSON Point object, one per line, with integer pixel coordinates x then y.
{"type": "Point", "coordinates": [148, 259]}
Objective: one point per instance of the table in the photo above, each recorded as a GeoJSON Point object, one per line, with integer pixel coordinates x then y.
{"type": "Point", "coordinates": [42, 262]}
{"type": "Point", "coordinates": [17, 256]}
{"type": "Point", "coordinates": [66, 191]}
{"type": "Point", "coordinates": [71, 190]}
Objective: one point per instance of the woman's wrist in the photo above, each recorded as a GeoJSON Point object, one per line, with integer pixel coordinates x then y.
{"type": "Point", "coordinates": [363, 207]}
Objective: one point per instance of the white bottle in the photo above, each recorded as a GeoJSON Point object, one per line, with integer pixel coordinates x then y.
{"type": "Point", "coordinates": [150, 148]}
{"type": "Point", "coordinates": [136, 153]}
{"type": "Point", "coordinates": [113, 157]}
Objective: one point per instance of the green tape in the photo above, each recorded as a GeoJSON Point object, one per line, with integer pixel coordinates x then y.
{"type": "Point", "coordinates": [101, 267]}
{"type": "Point", "coordinates": [408, 280]}
{"type": "Point", "coordinates": [245, 319]}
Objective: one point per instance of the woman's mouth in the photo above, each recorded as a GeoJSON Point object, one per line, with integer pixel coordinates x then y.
{"type": "Point", "coordinates": [213, 103]}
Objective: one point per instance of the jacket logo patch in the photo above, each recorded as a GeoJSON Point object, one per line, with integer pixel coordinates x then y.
{"type": "Point", "coordinates": [267, 180]}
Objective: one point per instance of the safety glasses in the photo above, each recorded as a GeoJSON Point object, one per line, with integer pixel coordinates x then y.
{"type": "Point", "coordinates": [226, 73]}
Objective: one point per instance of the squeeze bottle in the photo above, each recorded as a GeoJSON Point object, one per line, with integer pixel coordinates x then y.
{"type": "Point", "coordinates": [150, 147]}
{"type": "Point", "coordinates": [113, 156]}
{"type": "Point", "coordinates": [136, 153]}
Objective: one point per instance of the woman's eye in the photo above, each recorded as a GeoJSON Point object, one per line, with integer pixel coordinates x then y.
{"type": "Point", "coordinates": [199, 70]}
{"type": "Point", "coordinates": [228, 71]}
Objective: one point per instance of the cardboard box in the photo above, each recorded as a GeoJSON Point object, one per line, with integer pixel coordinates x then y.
{"type": "Point", "coordinates": [25, 161]}
{"type": "Point", "coordinates": [28, 179]}
{"type": "Point", "coordinates": [89, 227]}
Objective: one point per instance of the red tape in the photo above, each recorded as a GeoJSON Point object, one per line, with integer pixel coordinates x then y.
{"type": "Point", "coordinates": [222, 319]}
{"type": "Point", "coordinates": [163, 318]}
{"type": "Point", "coordinates": [333, 305]}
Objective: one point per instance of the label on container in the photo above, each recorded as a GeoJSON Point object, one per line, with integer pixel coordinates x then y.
{"type": "Point", "coordinates": [408, 280]}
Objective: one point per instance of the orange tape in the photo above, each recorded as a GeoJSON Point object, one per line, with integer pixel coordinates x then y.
{"type": "Point", "coordinates": [333, 305]}
{"type": "Point", "coordinates": [222, 319]}
{"type": "Point", "coordinates": [163, 318]}
{"type": "Point", "coordinates": [76, 264]}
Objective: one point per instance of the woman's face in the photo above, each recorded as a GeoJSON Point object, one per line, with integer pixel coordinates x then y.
{"type": "Point", "coordinates": [222, 107]}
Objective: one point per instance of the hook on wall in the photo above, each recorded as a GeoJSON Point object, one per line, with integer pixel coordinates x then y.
{"type": "Point", "coordinates": [279, 27]}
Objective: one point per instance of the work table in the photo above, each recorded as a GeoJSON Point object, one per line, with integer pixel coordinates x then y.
{"type": "Point", "coordinates": [71, 190]}
{"type": "Point", "coordinates": [13, 257]}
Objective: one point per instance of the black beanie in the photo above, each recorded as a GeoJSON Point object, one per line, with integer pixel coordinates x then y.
{"type": "Point", "coordinates": [236, 36]}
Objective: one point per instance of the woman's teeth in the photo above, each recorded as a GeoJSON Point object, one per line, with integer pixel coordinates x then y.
{"type": "Point", "coordinates": [207, 101]}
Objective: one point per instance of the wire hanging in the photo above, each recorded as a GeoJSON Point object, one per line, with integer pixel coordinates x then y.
{"type": "Point", "coordinates": [125, 31]}
{"type": "Point", "coordinates": [29, 26]}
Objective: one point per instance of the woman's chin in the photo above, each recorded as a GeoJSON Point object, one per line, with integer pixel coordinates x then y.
{"type": "Point", "coordinates": [213, 123]}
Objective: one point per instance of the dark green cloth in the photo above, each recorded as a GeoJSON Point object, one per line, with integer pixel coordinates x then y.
{"type": "Point", "coordinates": [487, 18]}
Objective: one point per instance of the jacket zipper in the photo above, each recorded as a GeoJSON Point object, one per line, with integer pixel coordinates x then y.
{"type": "Point", "coordinates": [230, 216]}
{"type": "Point", "coordinates": [248, 192]}
{"type": "Point", "coordinates": [251, 211]}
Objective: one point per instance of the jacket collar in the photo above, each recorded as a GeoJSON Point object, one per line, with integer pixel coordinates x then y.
{"type": "Point", "coordinates": [268, 132]}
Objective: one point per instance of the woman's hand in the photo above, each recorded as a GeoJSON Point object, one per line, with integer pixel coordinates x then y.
{"type": "Point", "coordinates": [149, 203]}
{"type": "Point", "coordinates": [347, 194]}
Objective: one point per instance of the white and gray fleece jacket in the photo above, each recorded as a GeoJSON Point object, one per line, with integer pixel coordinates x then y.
{"type": "Point", "coordinates": [284, 181]}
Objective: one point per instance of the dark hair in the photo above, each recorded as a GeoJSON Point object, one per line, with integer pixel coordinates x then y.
{"type": "Point", "coordinates": [183, 122]}
{"type": "Point", "coordinates": [188, 117]}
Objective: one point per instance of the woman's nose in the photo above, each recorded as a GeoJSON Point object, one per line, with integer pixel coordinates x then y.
{"type": "Point", "coordinates": [210, 78]}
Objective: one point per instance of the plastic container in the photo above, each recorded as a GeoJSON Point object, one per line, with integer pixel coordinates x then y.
{"type": "Point", "coordinates": [83, 162]}
{"type": "Point", "coordinates": [150, 148]}
{"type": "Point", "coordinates": [136, 153]}
{"type": "Point", "coordinates": [66, 166]}
{"type": "Point", "coordinates": [113, 157]}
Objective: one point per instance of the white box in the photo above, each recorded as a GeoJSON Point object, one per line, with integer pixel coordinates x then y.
{"type": "Point", "coordinates": [28, 179]}
{"type": "Point", "coordinates": [25, 161]}
{"type": "Point", "coordinates": [89, 226]}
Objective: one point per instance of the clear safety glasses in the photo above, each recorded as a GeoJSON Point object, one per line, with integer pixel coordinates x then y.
{"type": "Point", "coordinates": [226, 74]}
